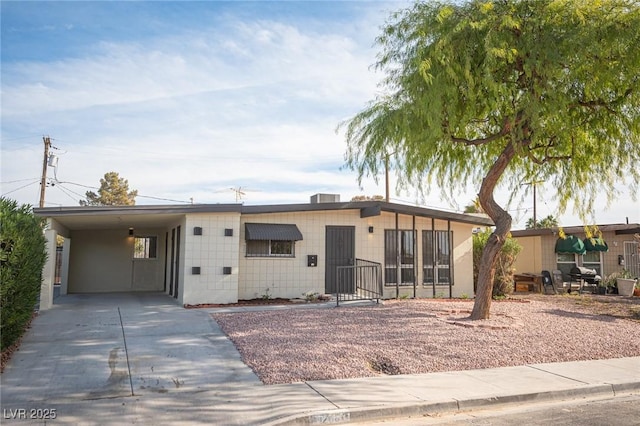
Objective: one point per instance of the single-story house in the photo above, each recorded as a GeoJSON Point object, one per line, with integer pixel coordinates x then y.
{"type": "Point", "coordinates": [618, 249]}
{"type": "Point", "coordinates": [222, 253]}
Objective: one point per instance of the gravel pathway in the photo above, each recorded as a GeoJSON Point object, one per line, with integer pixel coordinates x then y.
{"type": "Point", "coordinates": [421, 336]}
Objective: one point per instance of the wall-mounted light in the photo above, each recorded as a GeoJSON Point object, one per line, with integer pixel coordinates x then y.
{"type": "Point", "coordinates": [371, 229]}
{"type": "Point", "coordinates": [197, 230]}
{"type": "Point", "coordinates": [131, 232]}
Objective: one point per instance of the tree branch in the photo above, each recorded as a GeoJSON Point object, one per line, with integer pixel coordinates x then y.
{"type": "Point", "coordinates": [507, 125]}
{"type": "Point", "coordinates": [547, 158]}
{"type": "Point", "coordinates": [479, 141]}
{"type": "Point", "coordinates": [600, 103]}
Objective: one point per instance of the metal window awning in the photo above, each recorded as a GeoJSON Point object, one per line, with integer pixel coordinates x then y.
{"type": "Point", "coordinates": [272, 231]}
{"type": "Point", "coordinates": [595, 244]}
{"type": "Point", "coordinates": [570, 244]}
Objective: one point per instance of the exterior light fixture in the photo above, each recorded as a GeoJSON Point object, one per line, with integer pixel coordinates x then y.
{"type": "Point", "coordinates": [131, 232]}
{"type": "Point", "coordinates": [371, 229]}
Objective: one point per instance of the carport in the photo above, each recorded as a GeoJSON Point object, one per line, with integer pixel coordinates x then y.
{"type": "Point", "coordinates": [110, 249]}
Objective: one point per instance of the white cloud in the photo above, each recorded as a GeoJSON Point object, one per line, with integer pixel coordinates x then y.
{"type": "Point", "coordinates": [251, 103]}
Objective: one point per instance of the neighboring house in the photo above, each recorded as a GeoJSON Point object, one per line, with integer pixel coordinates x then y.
{"type": "Point", "coordinates": [539, 250]}
{"type": "Point", "coordinates": [222, 253]}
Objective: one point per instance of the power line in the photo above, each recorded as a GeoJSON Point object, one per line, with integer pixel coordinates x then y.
{"type": "Point", "coordinates": [79, 184]}
{"type": "Point", "coordinates": [64, 190]}
{"type": "Point", "coordinates": [163, 199]}
{"type": "Point", "coordinates": [16, 181]}
{"type": "Point", "coordinates": [141, 196]}
{"type": "Point", "coordinates": [20, 138]}
{"type": "Point", "coordinates": [24, 186]}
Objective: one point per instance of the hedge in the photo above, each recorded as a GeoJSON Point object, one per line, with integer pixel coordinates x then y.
{"type": "Point", "coordinates": [22, 256]}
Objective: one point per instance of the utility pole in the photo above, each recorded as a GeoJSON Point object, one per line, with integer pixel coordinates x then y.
{"type": "Point", "coordinates": [386, 178]}
{"type": "Point", "coordinates": [535, 220]}
{"type": "Point", "coordinates": [43, 182]}
{"type": "Point", "coordinates": [533, 184]}
{"type": "Point", "coordinates": [386, 175]}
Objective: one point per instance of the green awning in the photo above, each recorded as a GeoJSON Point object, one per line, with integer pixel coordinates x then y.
{"type": "Point", "coordinates": [570, 244]}
{"type": "Point", "coordinates": [595, 244]}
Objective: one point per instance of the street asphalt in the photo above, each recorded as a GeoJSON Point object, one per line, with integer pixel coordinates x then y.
{"type": "Point", "coordinates": [139, 358]}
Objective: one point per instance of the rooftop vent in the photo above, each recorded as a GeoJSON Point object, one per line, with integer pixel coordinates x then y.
{"type": "Point", "coordinates": [325, 198]}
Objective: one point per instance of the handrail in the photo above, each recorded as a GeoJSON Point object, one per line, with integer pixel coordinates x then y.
{"type": "Point", "coordinates": [362, 281]}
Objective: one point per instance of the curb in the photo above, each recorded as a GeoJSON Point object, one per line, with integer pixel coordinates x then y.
{"type": "Point", "coordinates": [363, 414]}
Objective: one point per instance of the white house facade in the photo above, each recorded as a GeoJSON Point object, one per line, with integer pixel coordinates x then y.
{"type": "Point", "coordinates": [222, 253]}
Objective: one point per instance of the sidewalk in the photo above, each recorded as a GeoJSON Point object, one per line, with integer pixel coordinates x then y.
{"type": "Point", "coordinates": [131, 359]}
{"type": "Point", "coordinates": [414, 395]}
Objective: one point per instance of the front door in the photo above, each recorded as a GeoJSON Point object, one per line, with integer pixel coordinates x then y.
{"type": "Point", "coordinates": [146, 264]}
{"type": "Point", "coordinates": [340, 250]}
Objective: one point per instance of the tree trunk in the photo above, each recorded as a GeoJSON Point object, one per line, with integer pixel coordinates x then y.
{"type": "Point", "coordinates": [502, 220]}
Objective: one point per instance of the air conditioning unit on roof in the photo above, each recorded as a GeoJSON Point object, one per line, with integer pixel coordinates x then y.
{"type": "Point", "coordinates": [325, 198]}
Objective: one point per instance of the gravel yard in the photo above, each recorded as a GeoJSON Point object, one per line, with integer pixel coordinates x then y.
{"type": "Point", "coordinates": [422, 336]}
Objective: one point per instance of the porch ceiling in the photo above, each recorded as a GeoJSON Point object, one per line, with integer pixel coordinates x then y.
{"type": "Point", "coordinates": [120, 221]}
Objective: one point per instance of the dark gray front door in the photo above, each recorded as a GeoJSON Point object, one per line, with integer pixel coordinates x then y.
{"type": "Point", "coordinates": [340, 251]}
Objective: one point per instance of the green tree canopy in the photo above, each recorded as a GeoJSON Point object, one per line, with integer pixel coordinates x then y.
{"type": "Point", "coordinates": [547, 222]}
{"type": "Point", "coordinates": [114, 191]}
{"type": "Point", "coordinates": [505, 92]}
{"type": "Point", "coordinates": [474, 206]}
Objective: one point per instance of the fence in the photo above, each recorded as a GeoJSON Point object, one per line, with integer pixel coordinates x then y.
{"type": "Point", "coordinates": [362, 281]}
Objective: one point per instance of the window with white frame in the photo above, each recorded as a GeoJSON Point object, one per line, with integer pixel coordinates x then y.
{"type": "Point", "coordinates": [593, 260]}
{"type": "Point", "coordinates": [564, 262]}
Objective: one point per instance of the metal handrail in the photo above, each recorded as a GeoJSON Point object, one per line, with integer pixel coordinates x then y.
{"type": "Point", "coordinates": [361, 281]}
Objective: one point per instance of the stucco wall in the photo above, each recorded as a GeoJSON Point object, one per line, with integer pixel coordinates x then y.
{"type": "Point", "coordinates": [527, 262]}
{"type": "Point", "coordinates": [530, 257]}
{"type": "Point", "coordinates": [211, 252]}
{"type": "Point", "coordinates": [609, 259]}
{"type": "Point", "coordinates": [291, 277]}
{"type": "Point", "coordinates": [102, 261]}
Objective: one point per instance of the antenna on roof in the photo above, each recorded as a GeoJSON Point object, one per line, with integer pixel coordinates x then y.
{"type": "Point", "coordinates": [241, 192]}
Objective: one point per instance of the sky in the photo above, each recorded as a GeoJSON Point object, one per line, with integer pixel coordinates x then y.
{"type": "Point", "coordinates": [191, 101]}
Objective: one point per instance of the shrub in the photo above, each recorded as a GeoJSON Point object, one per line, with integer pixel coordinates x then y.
{"type": "Point", "coordinates": [503, 279]}
{"type": "Point", "coordinates": [22, 257]}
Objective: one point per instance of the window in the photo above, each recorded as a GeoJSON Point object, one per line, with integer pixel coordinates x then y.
{"type": "Point", "coordinates": [565, 261]}
{"type": "Point", "coordinates": [145, 247]}
{"type": "Point", "coordinates": [270, 248]}
{"type": "Point", "coordinates": [436, 257]}
{"type": "Point", "coordinates": [271, 239]}
{"type": "Point", "coordinates": [407, 255]}
{"type": "Point", "coordinates": [593, 260]}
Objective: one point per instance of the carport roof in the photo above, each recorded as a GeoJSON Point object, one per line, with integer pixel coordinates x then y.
{"type": "Point", "coordinates": [112, 217]}
{"type": "Point", "coordinates": [118, 217]}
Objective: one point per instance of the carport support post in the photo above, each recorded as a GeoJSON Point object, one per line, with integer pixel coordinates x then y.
{"type": "Point", "coordinates": [48, 271]}
{"type": "Point", "coordinates": [64, 274]}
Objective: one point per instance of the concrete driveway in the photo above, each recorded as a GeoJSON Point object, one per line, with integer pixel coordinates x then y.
{"type": "Point", "coordinates": [137, 356]}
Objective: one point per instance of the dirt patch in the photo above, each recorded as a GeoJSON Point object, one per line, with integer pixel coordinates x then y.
{"type": "Point", "coordinates": [607, 305]}
{"type": "Point", "coordinates": [259, 302]}
{"type": "Point", "coordinates": [422, 336]}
